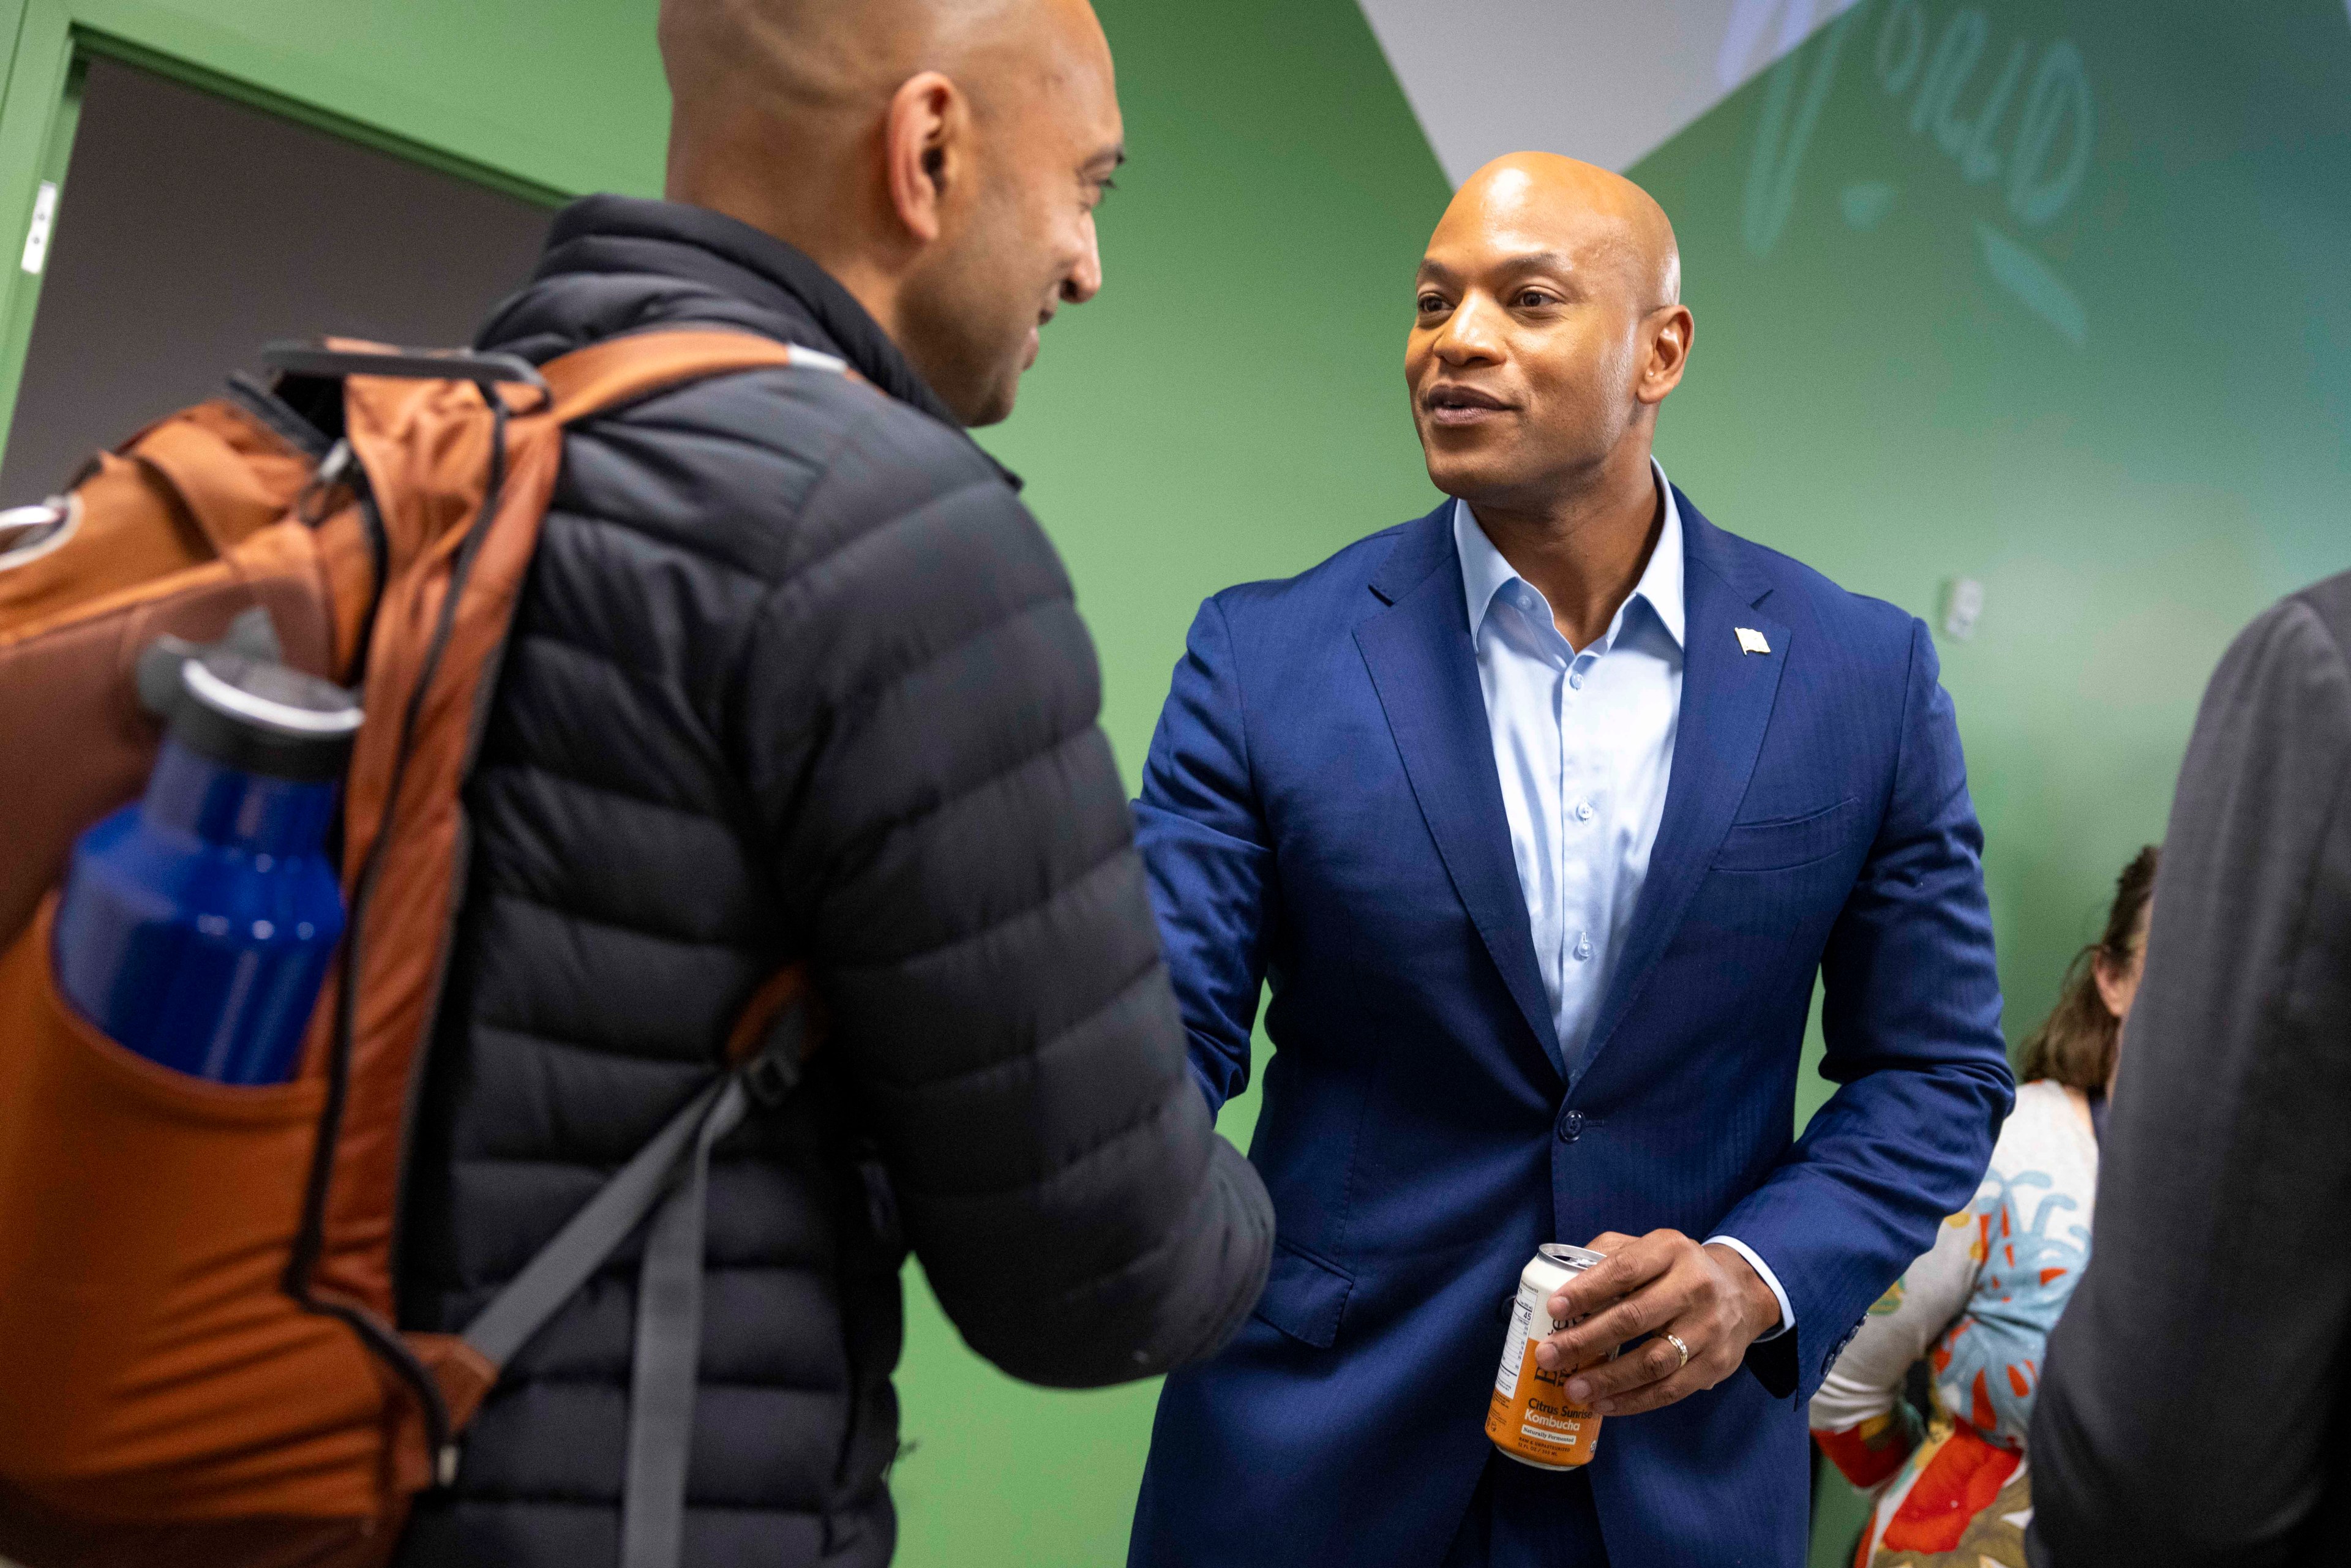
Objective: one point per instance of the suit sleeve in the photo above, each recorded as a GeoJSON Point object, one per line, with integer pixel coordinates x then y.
{"type": "Point", "coordinates": [1211, 864]}
{"type": "Point", "coordinates": [918, 702]}
{"type": "Point", "coordinates": [1911, 1019]}
{"type": "Point", "coordinates": [2212, 1328]}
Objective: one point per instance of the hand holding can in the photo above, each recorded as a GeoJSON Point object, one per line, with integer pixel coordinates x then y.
{"type": "Point", "coordinates": [1681, 1312]}
{"type": "Point", "coordinates": [1530, 1418]}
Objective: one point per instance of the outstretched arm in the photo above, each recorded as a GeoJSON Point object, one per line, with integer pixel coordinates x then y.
{"type": "Point", "coordinates": [918, 707]}
{"type": "Point", "coordinates": [1210, 857]}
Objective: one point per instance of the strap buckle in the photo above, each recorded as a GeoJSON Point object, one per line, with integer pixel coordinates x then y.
{"type": "Point", "coordinates": [774, 1071]}
{"type": "Point", "coordinates": [770, 1077]}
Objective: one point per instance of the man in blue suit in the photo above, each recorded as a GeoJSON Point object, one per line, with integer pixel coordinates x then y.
{"type": "Point", "coordinates": [1540, 815]}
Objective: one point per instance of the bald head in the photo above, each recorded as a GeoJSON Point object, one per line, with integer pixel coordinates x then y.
{"type": "Point", "coordinates": [821, 65]}
{"type": "Point", "coordinates": [1548, 328]}
{"type": "Point", "coordinates": [940, 158]}
{"type": "Point", "coordinates": [1591, 210]}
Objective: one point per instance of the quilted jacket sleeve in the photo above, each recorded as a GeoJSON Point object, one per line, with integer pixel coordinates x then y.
{"type": "Point", "coordinates": [916, 701]}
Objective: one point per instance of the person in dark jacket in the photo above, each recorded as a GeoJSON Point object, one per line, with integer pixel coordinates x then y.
{"type": "Point", "coordinates": [796, 677]}
{"type": "Point", "coordinates": [2194, 1408]}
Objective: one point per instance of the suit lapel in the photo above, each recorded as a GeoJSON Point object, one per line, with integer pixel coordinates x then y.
{"type": "Point", "coordinates": [1425, 669]}
{"type": "Point", "coordinates": [1727, 697]}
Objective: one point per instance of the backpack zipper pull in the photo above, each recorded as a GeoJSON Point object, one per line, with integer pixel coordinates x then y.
{"type": "Point", "coordinates": [332, 470]}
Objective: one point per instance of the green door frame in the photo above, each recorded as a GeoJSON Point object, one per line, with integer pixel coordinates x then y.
{"type": "Point", "coordinates": [45, 49]}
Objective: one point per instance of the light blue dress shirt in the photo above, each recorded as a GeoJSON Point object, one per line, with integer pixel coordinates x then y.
{"type": "Point", "coordinates": [1583, 743]}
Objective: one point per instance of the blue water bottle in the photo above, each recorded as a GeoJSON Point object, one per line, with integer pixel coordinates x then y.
{"type": "Point", "coordinates": [197, 923]}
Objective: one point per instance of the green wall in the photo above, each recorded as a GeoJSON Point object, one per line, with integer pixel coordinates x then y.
{"type": "Point", "coordinates": [2114, 390]}
{"type": "Point", "coordinates": [566, 96]}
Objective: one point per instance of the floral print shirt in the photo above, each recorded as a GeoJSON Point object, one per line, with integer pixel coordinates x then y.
{"type": "Point", "coordinates": [1977, 1309]}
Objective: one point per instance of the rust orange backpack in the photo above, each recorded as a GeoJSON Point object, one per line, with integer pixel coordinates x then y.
{"type": "Point", "coordinates": [199, 1360]}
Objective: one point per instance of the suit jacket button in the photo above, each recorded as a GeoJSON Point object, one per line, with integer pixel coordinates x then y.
{"type": "Point", "coordinates": [1571, 1126]}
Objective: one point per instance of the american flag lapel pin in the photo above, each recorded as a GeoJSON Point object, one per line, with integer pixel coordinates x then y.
{"type": "Point", "coordinates": [1751, 641]}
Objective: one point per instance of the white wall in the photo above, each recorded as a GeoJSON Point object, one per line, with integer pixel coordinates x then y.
{"type": "Point", "coordinates": [1603, 80]}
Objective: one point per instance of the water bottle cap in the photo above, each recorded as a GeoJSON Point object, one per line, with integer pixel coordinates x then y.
{"type": "Point", "coordinates": [263, 718]}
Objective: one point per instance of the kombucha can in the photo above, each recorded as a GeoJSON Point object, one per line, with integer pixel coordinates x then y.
{"type": "Point", "coordinates": [1531, 1418]}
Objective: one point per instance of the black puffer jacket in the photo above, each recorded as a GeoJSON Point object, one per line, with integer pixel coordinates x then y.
{"type": "Point", "coordinates": [794, 675]}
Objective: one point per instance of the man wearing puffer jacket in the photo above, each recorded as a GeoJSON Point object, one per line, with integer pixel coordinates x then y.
{"type": "Point", "coordinates": [796, 677]}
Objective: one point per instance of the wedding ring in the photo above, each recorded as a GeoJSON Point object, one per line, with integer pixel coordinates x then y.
{"type": "Point", "coordinates": [1676, 1341]}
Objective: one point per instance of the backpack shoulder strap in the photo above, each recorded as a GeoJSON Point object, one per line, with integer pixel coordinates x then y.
{"type": "Point", "coordinates": [460, 467]}
{"type": "Point", "coordinates": [621, 370]}
{"type": "Point", "coordinates": [463, 475]}
{"type": "Point", "coordinates": [772, 1036]}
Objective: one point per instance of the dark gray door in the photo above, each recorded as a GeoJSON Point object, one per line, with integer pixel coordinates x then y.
{"type": "Point", "coordinates": [192, 229]}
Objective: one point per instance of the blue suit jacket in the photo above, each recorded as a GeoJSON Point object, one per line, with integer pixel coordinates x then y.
{"type": "Point", "coordinates": [1321, 811]}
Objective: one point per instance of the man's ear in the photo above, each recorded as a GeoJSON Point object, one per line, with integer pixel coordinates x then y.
{"type": "Point", "coordinates": [925, 147]}
{"type": "Point", "coordinates": [1668, 331]}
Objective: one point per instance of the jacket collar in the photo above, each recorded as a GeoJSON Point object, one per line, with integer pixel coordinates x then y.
{"type": "Point", "coordinates": [1421, 547]}
{"type": "Point", "coordinates": [789, 295]}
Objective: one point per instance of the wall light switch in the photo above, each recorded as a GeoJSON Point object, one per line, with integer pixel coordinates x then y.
{"type": "Point", "coordinates": [1963, 600]}
{"type": "Point", "coordinates": [36, 237]}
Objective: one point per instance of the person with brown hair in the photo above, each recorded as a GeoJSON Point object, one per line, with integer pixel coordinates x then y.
{"type": "Point", "coordinates": [2079, 1043]}
{"type": "Point", "coordinates": [1978, 1308]}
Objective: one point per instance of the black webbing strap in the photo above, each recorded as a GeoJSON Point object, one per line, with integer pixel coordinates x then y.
{"type": "Point", "coordinates": [669, 1353]}
{"type": "Point", "coordinates": [668, 1179]}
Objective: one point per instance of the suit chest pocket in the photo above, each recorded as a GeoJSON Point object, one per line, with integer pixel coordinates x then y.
{"type": "Point", "coordinates": [1787, 843]}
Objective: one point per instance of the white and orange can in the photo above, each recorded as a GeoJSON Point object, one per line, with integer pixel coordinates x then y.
{"type": "Point", "coordinates": [1530, 1418]}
